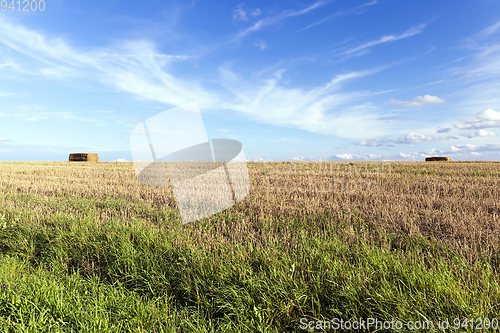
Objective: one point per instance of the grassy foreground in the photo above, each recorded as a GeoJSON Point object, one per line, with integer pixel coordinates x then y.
{"type": "Point", "coordinates": [101, 263]}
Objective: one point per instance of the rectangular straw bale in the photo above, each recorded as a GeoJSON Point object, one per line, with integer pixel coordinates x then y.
{"type": "Point", "coordinates": [437, 158]}
{"type": "Point", "coordinates": [83, 157]}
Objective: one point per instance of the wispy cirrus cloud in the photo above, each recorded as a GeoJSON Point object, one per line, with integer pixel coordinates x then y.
{"type": "Point", "coordinates": [387, 39]}
{"type": "Point", "coordinates": [419, 101]}
{"type": "Point", "coordinates": [485, 62]}
{"type": "Point", "coordinates": [489, 30]}
{"type": "Point", "coordinates": [356, 10]}
{"type": "Point", "coordinates": [137, 68]}
{"type": "Point", "coordinates": [134, 66]}
{"type": "Point", "coordinates": [322, 109]}
{"type": "Point", "coordinates": [272, 20]}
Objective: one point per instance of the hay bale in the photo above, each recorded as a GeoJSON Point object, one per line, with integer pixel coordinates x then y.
{"type": "Point", "coordinates": [83, 157]}
{"type": "Point", "coordinates": [437, 158]}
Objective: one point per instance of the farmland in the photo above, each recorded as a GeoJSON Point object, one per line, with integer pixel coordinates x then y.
{"type": "Point", "coordinates": [84, 246]}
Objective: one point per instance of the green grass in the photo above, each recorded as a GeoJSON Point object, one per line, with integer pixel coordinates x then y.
{"type": "Point", "coordinates": [71, 264]}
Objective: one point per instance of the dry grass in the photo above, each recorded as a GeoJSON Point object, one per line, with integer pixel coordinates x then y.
{"type": "Point", "coordinates": [457, 202]}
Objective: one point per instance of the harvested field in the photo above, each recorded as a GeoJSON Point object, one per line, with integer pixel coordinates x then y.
{"type": "Point", "coordinates": [458, 202]}
{"type": "Point", "coordinates": [311, 240]}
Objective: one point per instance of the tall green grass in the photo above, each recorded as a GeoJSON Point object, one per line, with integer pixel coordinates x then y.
{"type": "Point", "coordinates": [71, 264]}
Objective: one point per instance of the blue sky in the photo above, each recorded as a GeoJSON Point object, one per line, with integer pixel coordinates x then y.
{"type": "Point", "coordinates": [291, 80]}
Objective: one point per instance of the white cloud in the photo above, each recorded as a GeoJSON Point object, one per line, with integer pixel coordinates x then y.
{"type": "Point", "coordinates": [432, 152]}
{"type": "Point", "coordinates": [412, 138]}
{"type": "Point", "coordinates": [345, 156]}
{"type": "Point", "coordinates": [488, 114]}
{"type": "Point", "coordinates": [471, 148]}
{"type": "Point", "coordinates": [490, 147]}
{"type": "Point", "coordinates": [390, 38]}
{"type": "Point", "coordinates": [2, 140]}
{"type": "Point", "coordinates": [121, 160]}
{"type": "Point", "coordinates": [480, 133]}
{"type": "Point", "coordinates": [372, 143]}
{"type": "Point", "coordinates": [460, 152]}
{"type": "Point", "coordinates": [261, 44]}
{"type": "Point", "coordinates": [484, 119]}
{"type": "Point", "coordinates": [419, 101]}
{"type": "Point", "coordinates": [240, 14]}
{"type": "Point", "coordinates": [409, 156]}
{"type": "Point", "coordinates": [465, 147]}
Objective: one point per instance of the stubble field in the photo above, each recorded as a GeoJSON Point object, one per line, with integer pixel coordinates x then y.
{"type": "Point", "coordinates": [85, 247]}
